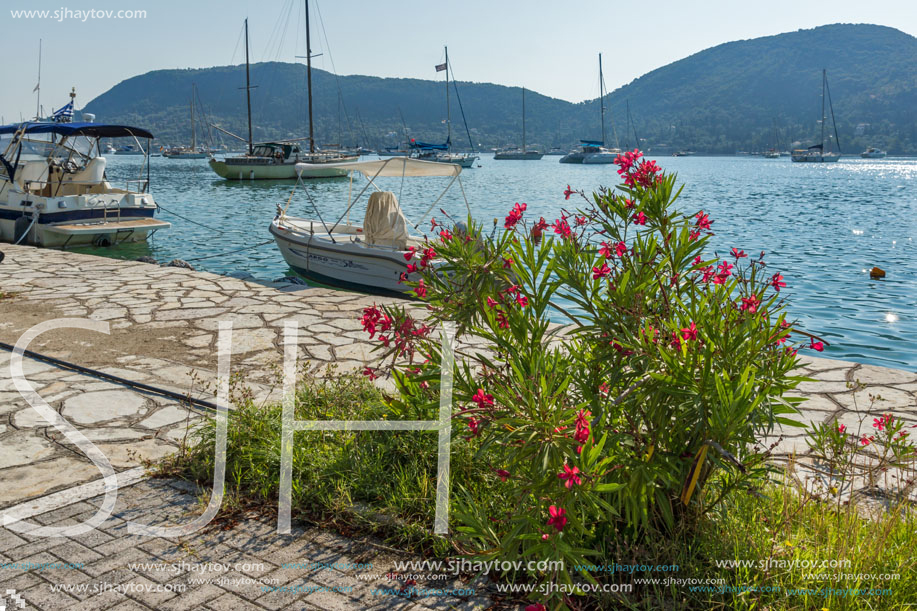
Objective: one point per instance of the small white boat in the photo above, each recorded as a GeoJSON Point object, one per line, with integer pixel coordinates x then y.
{"type": "Point", "coordinates": [54, 192]}
{"type": "Point", "coordinates": [873, 153]}
{"type": "Point", "coordinates": [370, 256]}
{"type": "Point", "coordinates": [602, 156]}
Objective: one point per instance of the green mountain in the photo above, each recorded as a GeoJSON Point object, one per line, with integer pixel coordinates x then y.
{"type": "Point", "coordinates": [721, 100]}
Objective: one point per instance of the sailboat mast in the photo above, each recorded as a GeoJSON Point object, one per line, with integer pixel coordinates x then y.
{"type": "Point", "coordinates": [523, 119]}
{"type": "Point", "coordinates": [602, 98]}
{"type": "Point", "coordinates": [193, 138]}
{"type": "Point", "coordinates": [309, 79]}
{"type": "Point", "coordinates": [38, 86]}
{"type": "Point", "coordinates": [448, 112]}
{"type": "Point", "coordinates": [824, 76]}
{"type": "Point", "coordinates": [248, 94]}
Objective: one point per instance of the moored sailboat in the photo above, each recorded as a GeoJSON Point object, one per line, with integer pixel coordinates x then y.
{"type": "Point", "coordinates": [816, 153]}
{"type": "Point", "coordinates": [516, 154]}
{"type": "Point", "coordinates": [594, 151]}
{"type": "Point", "coordinates": [277, 160]}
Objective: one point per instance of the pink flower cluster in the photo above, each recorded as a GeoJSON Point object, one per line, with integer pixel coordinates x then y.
{"type": "Point", "coordinates": [514, 216]}
{"type": "Point", "coordinates": [403, 333]}
{"type": "Point", "coordinates": [635, 172]}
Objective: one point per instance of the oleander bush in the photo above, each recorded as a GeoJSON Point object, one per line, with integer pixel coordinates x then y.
{"type": "Point", "coordinates": [636, 416]}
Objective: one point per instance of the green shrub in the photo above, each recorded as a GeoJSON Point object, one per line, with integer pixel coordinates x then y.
{"type": "Point", "coordinates": [671, 366]}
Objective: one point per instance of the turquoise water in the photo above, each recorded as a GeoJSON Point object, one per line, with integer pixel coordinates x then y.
{"type": "Point", "coordinates": [822, 226]}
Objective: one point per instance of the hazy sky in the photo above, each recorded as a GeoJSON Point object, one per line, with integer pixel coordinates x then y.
{"type": "Point", "coordinates": [547, 46]}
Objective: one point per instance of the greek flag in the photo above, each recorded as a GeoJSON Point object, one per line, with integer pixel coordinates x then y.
{"type": "Point", "coordinates": [64, 114]}
{"type": "Point", "coordinates": [440, 67]}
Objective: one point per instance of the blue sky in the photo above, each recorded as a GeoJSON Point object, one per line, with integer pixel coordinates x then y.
{"type": "Point", "coordinates": [549, 47]}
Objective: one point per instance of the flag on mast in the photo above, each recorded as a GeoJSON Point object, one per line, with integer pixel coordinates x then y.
{"type": "Point", "coordinates": [36, 88]}
{"type": "Point", "coordinates": [440, 67]}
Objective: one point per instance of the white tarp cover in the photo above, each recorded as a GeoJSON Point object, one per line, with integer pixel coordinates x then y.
{"type": "Point", "coordinates": [394, 166]}
{"type": "Point", "coordinates": [385, 223]}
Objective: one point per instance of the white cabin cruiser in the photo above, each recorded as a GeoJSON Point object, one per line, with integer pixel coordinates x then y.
{"type": "Point", "coordinates": [368, 257]}
{"type": "Point", "coordinates": [54, 191]}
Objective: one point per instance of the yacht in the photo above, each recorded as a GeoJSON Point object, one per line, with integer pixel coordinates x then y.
{"type": "Point", "coordinates": [517, 154]}
{"type": "Point", "coordinates": [594, 151]}
{"type": "Point", "coordinates": [873, 153]}
{"type": "Point", "coordinates": [277, 160]}
{"type": "Point", "coordinates": [816, 153]}
{"type": "Point", "coordinates": [54, 192]}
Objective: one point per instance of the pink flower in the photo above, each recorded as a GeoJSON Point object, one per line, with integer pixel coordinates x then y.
{"type": "Point", "coordinates": [410, 253]}
{"type": "Point", "coordinates": [689, 333]}
{"type": "Point", "coordinates": [640, 218]}
{"type": "Point", "coordinates": [515, 215]}
{"type": "Point", "coordinates": [562, 228]}
{"type": "Point", "coordinates": [503, 474]}
{"type": "Point", "coordinates": [777, 282]}
{"type": "Point", "coordinates": [697, 260]}
{"type": "Point", "coordinates": [537, 606]}
{"type": "Point", "coordinates": [474, 424]}
{"type": "Point", "coordinates": [580, 221]}
{"type": "Point", "coordinates": [370, 373]}
{"type": "Point", "coordinates": [412, 267]}
{"type": "Point", "coordinates": [600, 272]}
{"type": "Point", "coordinates": [491, 303]}
{"type": "Point", "coordinates": [703, 220]}
{"type": "Point", "coordinates": [738, 254]}
{"type": "Point", "coordinates": [445, 236]}
{"type": "Point", "coordinates": [750, 304]}
{"type": "Point", "coordinates": [605, 250]}
{"type": "Point", "coordinates": [420, 290]}
{"type": "Point", "coordinates": [880, 423]}
{"type": "Point", "coordinates": [483, 399]}
{"type": "Point", "coordinates": [676, 341]}
{"type": "Point", "coordinates": [502, 322]}
{"type": "Point", "coordinates": [841, 428]}
{"type": "Point", "coordinates": [816, 346]}
{"type": "Point", "coordinates": [507, 263]}
{"type": "Point", "coordinates": [864, 440]}
{"type": "Point", "coordinates": [433, 224]}
{"type": "Point", "coordinates": [621, 249]}
{"type": "Point", "coordinates": [571, 475]}
{"type": "Point", "coordinates": [558, 517]}
{"type": "Point", "coordinates": [522, 300]}
{"type": "Point", "coordinates": [568, 192]}
{"type": "Point", "coordinates": [723, 273]}
{"type": "Point", "coordinates": [628, 203]}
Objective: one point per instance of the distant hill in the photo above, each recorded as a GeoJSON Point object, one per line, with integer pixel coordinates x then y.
{"type": "Point", "coordinates": [720, 100]}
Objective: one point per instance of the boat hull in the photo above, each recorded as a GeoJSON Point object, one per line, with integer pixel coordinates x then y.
{"type": "Point", "coordinates": [599, 158]}
{"type": "Point", "coordinates": [816, 158]}
{"type": "Point", "coordinates": [345, 263]}
{"type": "Point", "coordinates": [518, 156]}
{"type": "Point", "coordinates": [269, 171]}
{"type": "Point", "coordinates": [65, 231]}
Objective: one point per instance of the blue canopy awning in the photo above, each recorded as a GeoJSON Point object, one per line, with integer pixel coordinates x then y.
{"type": "Point", "coordinates": [95, 130]}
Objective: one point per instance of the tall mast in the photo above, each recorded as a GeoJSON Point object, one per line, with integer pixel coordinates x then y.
{"type": "Point", "coordinates": [523, 119]}
{"type": "Point", "coordinates": [824, 76]}
{"type": "Point", "coordinates": [309, 79]}
{"type": "Point", "coordinates": [38, 86]}
{"type": "Point", "coordinates": [248, 94]}
{"type": "Point", "coordinates": [602, 98]}
{"type": "Point", "coordinates": [193, 139]}
{"type": "Point", "coordinates": [448, 113]}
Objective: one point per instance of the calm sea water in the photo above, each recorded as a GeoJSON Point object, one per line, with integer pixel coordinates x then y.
{"type": "Point", "coordinates": [823, 227]}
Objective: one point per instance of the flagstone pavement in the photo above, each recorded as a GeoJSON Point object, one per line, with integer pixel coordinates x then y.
{"type": "Point", "coordinates": [163, 325]}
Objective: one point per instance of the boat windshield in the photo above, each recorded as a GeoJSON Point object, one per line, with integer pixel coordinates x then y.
{"type": "Point", "coordinates": [50, 146]}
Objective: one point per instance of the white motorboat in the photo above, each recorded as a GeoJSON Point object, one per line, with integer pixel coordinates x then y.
{"type": "Point", "coordinates": [54, 192]}
{"type": "Point", "coordinates": [370, 256]}
{"type": "Point", "coordinates": [873, 153]}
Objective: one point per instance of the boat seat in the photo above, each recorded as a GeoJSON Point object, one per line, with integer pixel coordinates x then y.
{"type": "Point", "coordinates": [93, 173]}
{"type": "Point", "coordinates": [385, 223]}
{"type": "Point", "coordinates": [33, 176]}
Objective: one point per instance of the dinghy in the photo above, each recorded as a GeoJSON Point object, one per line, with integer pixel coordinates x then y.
{"type": "Point", "coordinates": [367, 256]}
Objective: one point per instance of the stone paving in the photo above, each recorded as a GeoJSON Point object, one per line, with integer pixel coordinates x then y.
{"type": "Point", "coordinates": [248, 567]}
{"type": "Point", "coordinates": [163, 326]}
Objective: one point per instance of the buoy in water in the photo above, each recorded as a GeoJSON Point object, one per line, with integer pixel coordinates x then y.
{"type": "Point", "coordinates": [876, 273]}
